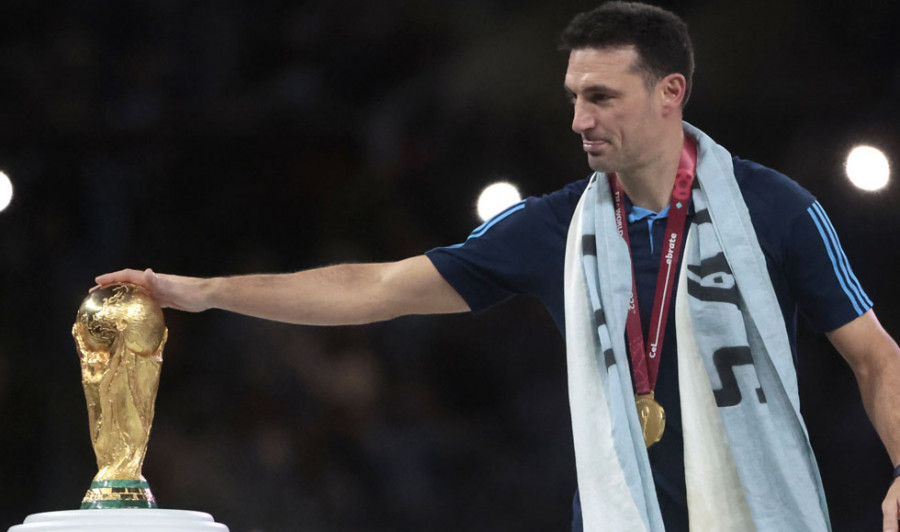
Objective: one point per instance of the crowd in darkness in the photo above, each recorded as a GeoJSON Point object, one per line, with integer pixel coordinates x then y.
{"type": "Point", "coordinates": [227, 137]}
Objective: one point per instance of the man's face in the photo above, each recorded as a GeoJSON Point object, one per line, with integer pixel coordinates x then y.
{"type": "Point", "coordinates": [618, 119]}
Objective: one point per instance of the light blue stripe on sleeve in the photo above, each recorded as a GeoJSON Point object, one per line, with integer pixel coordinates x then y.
{"type": "Point", "coordinates": [483, 228]}
{"type": "Point", "coordinates": [842, 257]}
{"type": "Point", "coordinates": [839, 262]}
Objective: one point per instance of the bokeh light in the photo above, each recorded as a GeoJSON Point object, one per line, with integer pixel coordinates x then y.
{"type": "Point", "coordinates": [868, 168]}
{"type": "Point", "coordinates": [496, 197]}
{"type": "Point", "coordinates": [6, 191]}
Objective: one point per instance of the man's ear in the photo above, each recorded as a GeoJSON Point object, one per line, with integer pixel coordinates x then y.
{"type": "Point", "coordinates": [672, 90]}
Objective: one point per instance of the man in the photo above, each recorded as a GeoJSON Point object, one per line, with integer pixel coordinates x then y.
{"type": "Point", "coordinates": [703, 427]}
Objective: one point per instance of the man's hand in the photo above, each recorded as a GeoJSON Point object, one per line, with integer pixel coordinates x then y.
{"type": "Point", "coordinates": [889, 507]}
{"type": "Point", "coordinates": [170, 291]}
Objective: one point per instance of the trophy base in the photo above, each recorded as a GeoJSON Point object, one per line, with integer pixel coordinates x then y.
{"type": "Point", "coordinates": [118, 520]}
{"type": "Point", "coordinates": [106, 494]}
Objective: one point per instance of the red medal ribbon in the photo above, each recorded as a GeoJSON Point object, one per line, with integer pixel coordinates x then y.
{"type": "Point", "coordinates": [645, 360]}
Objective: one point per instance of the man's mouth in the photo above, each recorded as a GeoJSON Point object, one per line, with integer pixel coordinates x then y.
{"type": "Point", "coordinates": [593, 145]}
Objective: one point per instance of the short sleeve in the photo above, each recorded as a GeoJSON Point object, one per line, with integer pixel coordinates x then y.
{"type": "Point", "coordinates": [481, 268]}
{"type": "Point", "coordinates": [828, 293]}
{"type": "Point", "coordinates": [809, 270]}
{"type": "Point", "coordinates": [519, 251]}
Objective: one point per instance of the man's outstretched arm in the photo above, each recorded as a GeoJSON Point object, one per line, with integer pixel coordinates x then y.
{"type": "Point", "coordinates": [875, 359]}
{"type": "Point", "coordinates": [344, 294]}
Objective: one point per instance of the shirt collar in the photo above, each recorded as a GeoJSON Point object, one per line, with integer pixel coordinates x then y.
{"type": "Point", "coordinates": [636, 214]}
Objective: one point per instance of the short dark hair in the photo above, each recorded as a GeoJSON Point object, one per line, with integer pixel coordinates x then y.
{"type": "Point", "coordinates": [659, 37]}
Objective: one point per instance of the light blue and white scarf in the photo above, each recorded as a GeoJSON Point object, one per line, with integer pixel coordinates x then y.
{"type": "Point", "coordinates": [748, 461]}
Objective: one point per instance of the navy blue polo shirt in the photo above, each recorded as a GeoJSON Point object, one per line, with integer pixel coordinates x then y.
{"type": "Point", "coordinates": [521, 251]}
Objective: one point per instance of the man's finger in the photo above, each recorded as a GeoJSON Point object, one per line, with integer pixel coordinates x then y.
{"type": "Point", "coordinates": [889, 508]}
{"type": "Point", "coordinates": [121, 276]}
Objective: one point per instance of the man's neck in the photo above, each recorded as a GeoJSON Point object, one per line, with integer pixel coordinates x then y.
{"type": "Point", "coordinates": [650, 186]}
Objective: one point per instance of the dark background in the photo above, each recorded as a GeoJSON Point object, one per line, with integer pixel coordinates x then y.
{"type": "Point", "coordinates": [225, 137]}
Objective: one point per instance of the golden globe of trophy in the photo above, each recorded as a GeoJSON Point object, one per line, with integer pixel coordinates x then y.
{"type": "Point", "coordinates": [120, 334]}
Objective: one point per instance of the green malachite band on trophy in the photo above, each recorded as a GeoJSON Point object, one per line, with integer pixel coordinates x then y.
{"type": "Point", "coordinates": [131, 483]}
{"type": "Point", "coordinates": [118, 494]}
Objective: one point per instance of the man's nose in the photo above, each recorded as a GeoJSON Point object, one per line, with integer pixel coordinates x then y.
{"type": "Point", "coordinates": [583, 120]}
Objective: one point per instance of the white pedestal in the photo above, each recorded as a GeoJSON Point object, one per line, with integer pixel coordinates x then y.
{"type": "Point", "coordinates": [130, 519]}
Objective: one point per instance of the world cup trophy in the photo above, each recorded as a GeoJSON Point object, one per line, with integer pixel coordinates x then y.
{"type": "Point", "coordinates": [120, 334]}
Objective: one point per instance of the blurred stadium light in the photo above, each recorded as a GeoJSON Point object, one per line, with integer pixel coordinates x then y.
{"type": "Point", "coordinates": [6, 191]}
{"type": "Point", "coordinates": [496, 197]}
{"type": "Point", "coordinates": [868, 168]}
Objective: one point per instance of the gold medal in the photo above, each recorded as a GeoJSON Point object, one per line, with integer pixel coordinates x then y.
{"type": "Point", "coordinates": [652, 416]}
